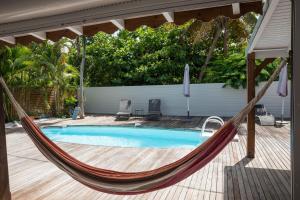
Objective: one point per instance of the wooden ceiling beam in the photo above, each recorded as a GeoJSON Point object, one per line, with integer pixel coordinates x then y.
{"type": "Point", "coordinates": [2, 44]}
{"type": "Point", "coordinates": [39, 35]}
{"type": "Point", "coordinates": [119, 23]}
{"type": "Point", "coordinates": [91, 30]}
{"type": "Point", "coordinates": [27, 39]}
{"type": "Point", "coordinates": [57, 35]}
{"type": "Point", "coordinates": [169, 16]}
{"type": "Point", "coordinates": [100, 14]}
{"type": "Point", "coordinates": [9, 40]}
{"type": "Point", "coordinates": [263, 65]}
{"type": "Point", "coordinates": [210, 13]}
{"type": "Point", "coordinates": [76, 29]}
{"type": "Point", "coordinates": [236, 9]}
{"type": "Point", "coordinates": [177, 17]}
{"type": "Point", "coordinates": [151, 21]}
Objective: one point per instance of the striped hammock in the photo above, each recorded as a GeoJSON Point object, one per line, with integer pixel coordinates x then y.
{"type": "Point", "coordinates": [123, 183]}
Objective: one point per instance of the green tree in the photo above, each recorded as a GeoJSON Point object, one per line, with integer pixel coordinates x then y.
{"type": "Point", "coordinates": [48, 67]}
{"type": "Point", "coordinates": [220, 35]}
{"type": "Point", "coordinates": [13, 63]}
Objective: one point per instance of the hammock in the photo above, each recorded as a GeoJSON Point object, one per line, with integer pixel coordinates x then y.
{"type": "Point", "coordinates": [123, 183]}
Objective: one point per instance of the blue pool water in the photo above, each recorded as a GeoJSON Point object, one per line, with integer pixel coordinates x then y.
{"type": "Point", "coordinates": [126, 136]}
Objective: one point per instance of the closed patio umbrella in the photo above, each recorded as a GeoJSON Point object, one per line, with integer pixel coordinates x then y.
{"type": "Point", "coordinates": [186, 87]}
{"type": "Point", "coordinates": [282, 89]}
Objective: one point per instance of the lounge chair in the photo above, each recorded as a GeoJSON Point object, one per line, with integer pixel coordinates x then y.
{"type": "Point", "coordinates": [125, 109]}
{"type": "Point", "coordinates": [262, 117]}
{"type": "Point", "coordinates": [154, 112]}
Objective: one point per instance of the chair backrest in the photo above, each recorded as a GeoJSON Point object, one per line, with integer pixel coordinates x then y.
{"type": "Point", "coordinates": [125, 105]}
{"type": "Point", "coordinates": [260, 110]}
{"type": "Point", "coordinates": [154, 105]}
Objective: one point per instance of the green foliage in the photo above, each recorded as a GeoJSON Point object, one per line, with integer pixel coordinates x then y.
{"type": "Point", "coordinates": [146, 56]}
{"type": "Point", "coordinates": [71, 101]}
{"type": "Point", "coordinates": [13, 64]}
{"type": "Point", "coordinates": [69, 104]}
{"type": "Point", "coordinates": [230, 70]}
{"type": "Point", "coordinates": [150, 56]}
{"type": "Point", "coordinates": [39, 66]}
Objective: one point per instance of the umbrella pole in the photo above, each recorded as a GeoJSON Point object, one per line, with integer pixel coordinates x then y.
{"type": "Point", "coordinates": [188, 106]}
{"type": "Point", "coordinates": [282, 108]}
{"type": "Point", "coordinates": [282, 122]}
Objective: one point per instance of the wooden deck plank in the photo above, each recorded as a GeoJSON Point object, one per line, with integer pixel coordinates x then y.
{"type": "Point", "coordinates": [275, 190]}
{"type": "Point", "coordinates": [275, 176]}
{"type": "Point", "coordinates": [252, 189]}
{"type": "Point", "coordinates": [242, 174]}
{"type": "Point", "coordinates": [279, 176]}
{"type": "Point", "coordinates": [229, 176]}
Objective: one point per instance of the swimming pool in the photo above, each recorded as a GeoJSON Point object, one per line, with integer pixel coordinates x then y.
{"type": "Point", "coordinates": [123, 136]}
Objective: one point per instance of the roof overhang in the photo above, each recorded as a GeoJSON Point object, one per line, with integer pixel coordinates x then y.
{"type": "Point", "coordinates": [272, 35]}
{"type": "Point", "coordinates": [111, 15]}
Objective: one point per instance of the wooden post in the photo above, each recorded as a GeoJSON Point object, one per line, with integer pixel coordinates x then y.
{"type": "Point", "coordinates": [250, 96]}
{"type": "Point", "coordinates": [295, 108]}
{"type": "Point", "coordinates": [4, 178]}
{"type": "Point", "coordinates": [260, 67]}
{"type": "Point", "coordinates": [81, 94]}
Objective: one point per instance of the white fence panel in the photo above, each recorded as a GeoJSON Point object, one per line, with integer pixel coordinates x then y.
{"type": "Point", "coordinates": [205, 100]}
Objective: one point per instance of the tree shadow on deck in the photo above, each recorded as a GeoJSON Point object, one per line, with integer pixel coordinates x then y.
{"type": "Point", "coordinates": [242, 181]}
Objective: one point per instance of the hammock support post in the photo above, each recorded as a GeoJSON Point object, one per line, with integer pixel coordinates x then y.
{"type": "Point", "coordinates": [250, 96]}
{"type": "Point", "coordinates": [4, 178]}
{"type": "Point", "coordinates": [252, 72]}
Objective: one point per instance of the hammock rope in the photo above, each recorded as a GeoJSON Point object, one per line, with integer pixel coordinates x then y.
{"type": "Point", "coordinates": [130, 183]}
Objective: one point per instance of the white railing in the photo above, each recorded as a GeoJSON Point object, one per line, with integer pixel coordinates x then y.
{"type": "Point", "coordinates": [212, 119]}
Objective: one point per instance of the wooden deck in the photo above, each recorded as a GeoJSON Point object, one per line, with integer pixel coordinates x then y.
{"type": "Point", "coordinates": [229, 176]}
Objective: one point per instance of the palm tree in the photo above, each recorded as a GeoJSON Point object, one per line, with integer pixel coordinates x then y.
{"type": "Point", "coordinates": [13, 63]}
{"type": "Point", "coordinates": [48, 67]}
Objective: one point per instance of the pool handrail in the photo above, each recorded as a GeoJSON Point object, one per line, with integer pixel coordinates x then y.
{"type": "Point", "coordinates": [212, 119]}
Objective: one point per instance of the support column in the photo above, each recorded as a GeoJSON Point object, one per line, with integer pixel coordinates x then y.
{"type": "Point", "coordinates": [4, 178]}
{"type": "Point", "coordinates": [250, 96]}
{"type": "Point", "coordinates": [81, 93]}
{"type": "Point", "coordinates": [295, 108]}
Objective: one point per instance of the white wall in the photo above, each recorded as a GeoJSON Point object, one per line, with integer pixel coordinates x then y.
{"type": "Point", "coordinates": [205, 100]}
